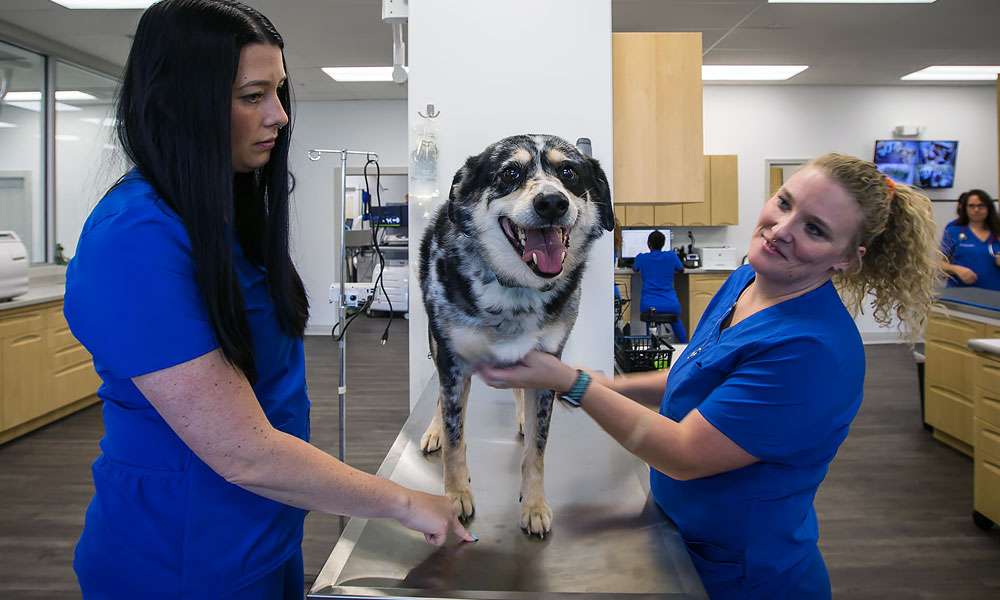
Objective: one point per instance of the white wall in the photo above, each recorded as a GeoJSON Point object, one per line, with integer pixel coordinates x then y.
{"type": "Point", "coordinates": [774, 122]}
{"type": "Point", "coordinates": [520, 66]}
{"type": "Point", "coordinates": [375, 125]}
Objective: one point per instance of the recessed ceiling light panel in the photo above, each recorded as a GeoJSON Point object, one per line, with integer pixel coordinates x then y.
{"type": "Point", "coordinates": [360, 73]}
{"type": "Point", "coordinates": [954, 73]}
{"type": "Point", "coordinates": [106, 4]}
{"type": "Point", "coordinates": [750, 72]}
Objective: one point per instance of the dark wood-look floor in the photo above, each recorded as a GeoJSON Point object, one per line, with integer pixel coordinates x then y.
{"type": "Point", "coordinates": [894, 511]}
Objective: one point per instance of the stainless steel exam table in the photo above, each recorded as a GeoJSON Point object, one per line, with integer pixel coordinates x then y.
{"type": "Point", "coordinates": [608, 539]}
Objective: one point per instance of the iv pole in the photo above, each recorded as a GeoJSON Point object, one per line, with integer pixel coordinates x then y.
{"type": "Point", "coordinates": [338, 217]}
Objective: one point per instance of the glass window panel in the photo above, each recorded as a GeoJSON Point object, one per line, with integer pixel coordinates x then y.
{"type": "Point", "coordinates": [22, 151]}
{"type": "Point", "coordinates": [87, 160]}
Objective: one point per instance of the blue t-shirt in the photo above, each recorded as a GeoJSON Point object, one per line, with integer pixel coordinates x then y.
{"type": "Point", "coordinates": [657, 269]}
{"type": "Point", "coordinates": [784, 384]}
{"type": "Point", "coordinates": [962, 247]}
{"type": "Point", "coordinates": [162, 523]}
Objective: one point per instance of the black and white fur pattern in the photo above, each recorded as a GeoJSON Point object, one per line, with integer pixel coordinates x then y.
{"type": "Point", "coordinates": [489, 305]}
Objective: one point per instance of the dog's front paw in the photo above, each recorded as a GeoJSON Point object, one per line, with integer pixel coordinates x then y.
{"type": "Point", "coordinates": [431, 440]}
{"type": "Point", "coordinates": [463, 504]}
{"type": "Point", "coordinates": [536, 517]}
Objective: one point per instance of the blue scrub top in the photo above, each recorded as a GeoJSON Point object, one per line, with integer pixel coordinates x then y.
{"type": "Point", "coordinates": [657, 269]}
{"type": "Point", "coordinates": [783, 384]}
{"type": "Point", "coordinates": [962, 247]}
{"type": "Point", "coordinates": [162, 524]}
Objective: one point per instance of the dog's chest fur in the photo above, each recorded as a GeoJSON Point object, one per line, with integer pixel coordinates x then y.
{"type": "Point", "coordinates": [480, 320]}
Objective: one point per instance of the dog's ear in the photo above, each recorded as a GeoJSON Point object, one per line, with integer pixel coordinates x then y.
{"type": "Point", "coordinates": [603, 192]}
{"type": "Point", "coordinates": [455, 194]}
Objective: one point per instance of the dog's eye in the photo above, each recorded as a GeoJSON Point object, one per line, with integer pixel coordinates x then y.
{"type": "Point", "coordinates": [568, 174]}
{"type": "Point", "coordinates": [510, 175]}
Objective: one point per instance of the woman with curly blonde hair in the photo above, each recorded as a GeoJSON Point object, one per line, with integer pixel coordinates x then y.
{"type": "Point", "coordinates": [757, 405]}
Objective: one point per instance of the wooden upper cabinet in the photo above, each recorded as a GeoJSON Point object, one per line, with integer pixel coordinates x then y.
{"type": "Point", "coordinates": [724, 184]}
{"type": "Point", "coordinates": [658, 133]}
{"type": "Point", "coordinates": [699, 214]}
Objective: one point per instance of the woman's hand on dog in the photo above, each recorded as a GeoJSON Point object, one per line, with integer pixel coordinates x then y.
{"type": "Point", "coordinates": [537, 370]}
{"type": "Point", "coordinates": [433, 516]}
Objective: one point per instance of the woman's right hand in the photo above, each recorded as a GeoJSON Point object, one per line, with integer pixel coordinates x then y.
{"type": "Point", "coordinates": [433, 516]}
{"type": "Point", "coordinates": [967, 275]}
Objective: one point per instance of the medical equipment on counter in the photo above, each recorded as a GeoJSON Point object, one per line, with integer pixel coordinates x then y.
{"type": "Point", "coordinates": [719, 257]}
{"type": "Point", "coordinates": [13, 266]}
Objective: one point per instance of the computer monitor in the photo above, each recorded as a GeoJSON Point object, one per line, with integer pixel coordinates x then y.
{"type": "Point", "coordinates": [390, 215]}
{"type": "Point", "coordinates": [928, 164]}
{"type": "Point", "coordinates": [634, 241]}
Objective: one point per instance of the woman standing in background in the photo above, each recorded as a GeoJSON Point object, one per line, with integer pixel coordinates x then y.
{"type": "Point", "coordinates": [971, 243]}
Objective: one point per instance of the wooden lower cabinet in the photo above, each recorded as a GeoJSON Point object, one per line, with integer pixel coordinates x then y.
{"type": "Point", "coordinates": [949, 380]}
{"type": "Point", "coordinates": [46, 373]}
{"type": "Point", "coordinates": [986, 482]}
{"type": "Point", "coordinates": [695, 291]}
{"type": "Point", "coordinates": [24, 375]}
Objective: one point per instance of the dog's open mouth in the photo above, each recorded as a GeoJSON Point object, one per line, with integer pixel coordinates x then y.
{"type": "Point", "coordinates": [543, 249]}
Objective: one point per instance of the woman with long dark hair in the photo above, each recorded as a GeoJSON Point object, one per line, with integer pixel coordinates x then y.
{"type": "Point", "coordinates": [184, 292]}
{"type": "Point", "coordinates": [971, 243]}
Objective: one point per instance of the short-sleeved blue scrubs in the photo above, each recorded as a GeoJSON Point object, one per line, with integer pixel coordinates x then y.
{"type": "Point", "coordinates": [784, 384]}
{"type": "Point", "coordinates": [162, 524]}
{"type": "Point", "coordinates": [962, 247]}
{"type": "Point", "coordinates": [657, 269]}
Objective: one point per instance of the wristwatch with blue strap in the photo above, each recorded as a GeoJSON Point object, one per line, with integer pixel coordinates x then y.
{"type": "Point", "coordinates": [575, 393]}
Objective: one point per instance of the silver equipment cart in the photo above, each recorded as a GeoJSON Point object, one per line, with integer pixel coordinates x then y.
{"type": "Point", "coordinates": [608, 540]}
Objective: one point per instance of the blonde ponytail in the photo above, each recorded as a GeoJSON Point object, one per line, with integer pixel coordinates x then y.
{"type": "Point", "coordinates": [901, 267]}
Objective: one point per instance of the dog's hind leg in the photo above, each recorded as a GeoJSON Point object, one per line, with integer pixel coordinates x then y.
{"type": "Point", "coordinates": [519, 402]}
{"type": "Point", "coordinates": [453, 400]}
{"type": "Point", "coordinates": [536, 515]}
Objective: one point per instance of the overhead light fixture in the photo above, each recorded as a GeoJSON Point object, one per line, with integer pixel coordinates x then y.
{"type": "Point", "coordinates": [852, 1]}
{"type": "Point", "coordinates": [106, 4]}
{"type": "Point", "coordinates": [361, 73]}
{"type": "Point", "coordinates": [60, 95]}
{"type": "Point", "coordinates": [6, 125]}
{"type": "Point", "coordinates": [64, 137]}
{"type": "Point", "coordinates": [36, 105]}
{"type": "Point", "coordinates": [954, 73]}
{"type": "Point", "coordinates": [750, 72]}
{"type": "Point", "coordinates": [106, 122]}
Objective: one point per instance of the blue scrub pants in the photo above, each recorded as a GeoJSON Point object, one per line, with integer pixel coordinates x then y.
{"type": "Point", "coordinates": [287, 582]}
{"type": "Point", "coordinates": [807, 580]}
{"type": "Point", "coordinates": [670, 307]}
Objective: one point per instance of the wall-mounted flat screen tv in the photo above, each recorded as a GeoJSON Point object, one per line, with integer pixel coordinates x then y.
{"type": "Point", "coordinates": [923, 163]}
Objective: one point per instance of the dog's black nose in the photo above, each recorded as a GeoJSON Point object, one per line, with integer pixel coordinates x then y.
{"type": "Point", "coordinates": [550, 206]}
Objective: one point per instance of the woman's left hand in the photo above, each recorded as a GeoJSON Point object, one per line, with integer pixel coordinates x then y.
{"type": "Point", "coordinates": [537, 370]}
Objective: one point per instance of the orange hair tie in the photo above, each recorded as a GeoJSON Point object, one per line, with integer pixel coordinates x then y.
{"type": "Point", "coordinates": [889, 183]}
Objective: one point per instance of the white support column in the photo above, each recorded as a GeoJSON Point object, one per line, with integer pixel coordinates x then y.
{"type": "Point", "coordinates": [495, 69]}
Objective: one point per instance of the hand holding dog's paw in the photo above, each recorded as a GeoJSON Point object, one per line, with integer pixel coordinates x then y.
{"type": "Point", "coordinates": [462, 503]}
{"type": "Point", "coordinates": [433, 516]}
{"type": "Point", "coordinates": [536, 517]}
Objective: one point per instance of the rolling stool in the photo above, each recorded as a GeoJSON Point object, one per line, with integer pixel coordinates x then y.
{"type": "Point", "coordinates": [654, 320]}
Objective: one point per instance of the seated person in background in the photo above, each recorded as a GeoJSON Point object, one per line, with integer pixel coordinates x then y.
{"type": "Point", "coordinates": [971, 243]}
{"type": "Point", "coordinates": [657, 269]}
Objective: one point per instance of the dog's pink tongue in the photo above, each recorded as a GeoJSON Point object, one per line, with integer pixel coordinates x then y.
{"type": "Point", "coordinates": [547, 247]}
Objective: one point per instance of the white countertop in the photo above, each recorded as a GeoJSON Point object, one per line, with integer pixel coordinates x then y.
{"type": "Point", "coordinates": [986, 345]}
{"type": "Point", "coordinates": [707, 271]}
{"type": "Point", "coordinates": [620, 271]}
{"type": "Point", "coordinates": [36, 294]}
{"type": "Point", "coordinates": [46, 283]}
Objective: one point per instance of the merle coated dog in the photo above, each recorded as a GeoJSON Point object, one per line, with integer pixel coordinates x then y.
{"type": "Point", "coordinates": [500, 271]}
